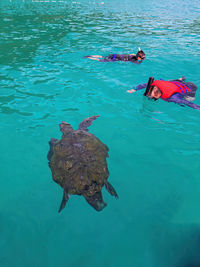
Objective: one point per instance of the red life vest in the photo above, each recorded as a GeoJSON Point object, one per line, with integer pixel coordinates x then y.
{"type": "Point", "coordinates": [168, 88]}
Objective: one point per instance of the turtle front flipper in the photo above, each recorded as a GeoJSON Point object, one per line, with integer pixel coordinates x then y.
{"type": "Point", "coordinates": [52, 142]}
{"type": "Point", "coordinates": [87, 122]}
{"type": "Point", "coordinates": [111, 189]}
{"type": "Point", "coordinates": [64, 200]}
{"type": "Point", "coordinates": [96, 201]}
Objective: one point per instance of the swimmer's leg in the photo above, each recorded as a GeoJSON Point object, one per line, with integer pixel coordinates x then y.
{"type": "Point", "coordinates": [183, 78]}
{"type": "Point", "coordinates": [95, 56]}
{"type": "Point", "coordinates": [190, 96]}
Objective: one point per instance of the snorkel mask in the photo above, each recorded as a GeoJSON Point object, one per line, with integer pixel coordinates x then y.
{"type": "Point", "coordinates": [149, 88]}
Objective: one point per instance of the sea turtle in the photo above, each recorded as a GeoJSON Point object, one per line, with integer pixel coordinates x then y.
{"type": "Point", "coordinates": [78, 164]}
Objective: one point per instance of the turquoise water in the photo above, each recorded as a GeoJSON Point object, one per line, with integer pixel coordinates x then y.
{"type": "Point", "coordinates": [154, 146]}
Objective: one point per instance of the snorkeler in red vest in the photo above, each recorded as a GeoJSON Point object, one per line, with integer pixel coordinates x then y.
{"type": "Point", "coordinates": [137, 59]}
{"type": "Point", "coordinates": [177, 91]}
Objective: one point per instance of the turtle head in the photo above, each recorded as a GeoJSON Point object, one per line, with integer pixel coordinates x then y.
{"type": "Point", "coordinates": [65, 127]}
{"type": "Point", "coordinates": [96, 201]}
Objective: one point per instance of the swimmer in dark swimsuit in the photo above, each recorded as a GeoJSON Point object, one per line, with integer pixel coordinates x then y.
{"type": "Point", "coordinates": [177, 91]}
{"type": "Point", "coordinates": [137, 59]}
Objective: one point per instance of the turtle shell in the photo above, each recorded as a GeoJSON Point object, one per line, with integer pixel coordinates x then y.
{"type": "Point", "coordinates": [78, 163]}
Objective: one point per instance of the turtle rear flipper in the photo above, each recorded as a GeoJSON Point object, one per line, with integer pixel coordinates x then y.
{"type": "Point", "coordinates": [96, 201]}
{"type": "Point", "coordinates": [111, 189]}
{"type": "Point", "coordinates": [87, 122]}
{"type": "Point", "coordinates": [64, 200]}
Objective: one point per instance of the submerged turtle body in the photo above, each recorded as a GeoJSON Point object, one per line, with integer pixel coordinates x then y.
{"type": "Point", "coordinates": [78, 164]}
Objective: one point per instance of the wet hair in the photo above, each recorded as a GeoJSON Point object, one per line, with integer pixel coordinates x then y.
{"type": "Point", "coordinates": [140, 54]}
{"type": "Point", "coordinates": [148, 92]}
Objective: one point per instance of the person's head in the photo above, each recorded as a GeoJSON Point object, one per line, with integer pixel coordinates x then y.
{"type": "Point", "coordinates": [140, 55]}
{"type": "Point", "coordinates": [154, 93]}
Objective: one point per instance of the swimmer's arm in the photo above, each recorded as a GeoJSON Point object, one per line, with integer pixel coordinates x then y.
{"type": "Point", "coordinates": [141, 86]}
{"type": "Point", "coordinates": [138, 87]}
{"type": "Point", "coordinates": [137, 62]}
{"type": "Point", "coordinates": [179, 99]}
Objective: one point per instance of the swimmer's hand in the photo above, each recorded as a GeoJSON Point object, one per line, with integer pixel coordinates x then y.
{"type": "Point", "coordinates": [131, 91]}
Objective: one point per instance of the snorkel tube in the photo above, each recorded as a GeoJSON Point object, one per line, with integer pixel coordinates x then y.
{"type": "Point", "coordinates": [149, 88]}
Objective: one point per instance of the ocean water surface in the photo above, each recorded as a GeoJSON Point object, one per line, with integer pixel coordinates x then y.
{"type": "Point", "coordinates": [154, 147]}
